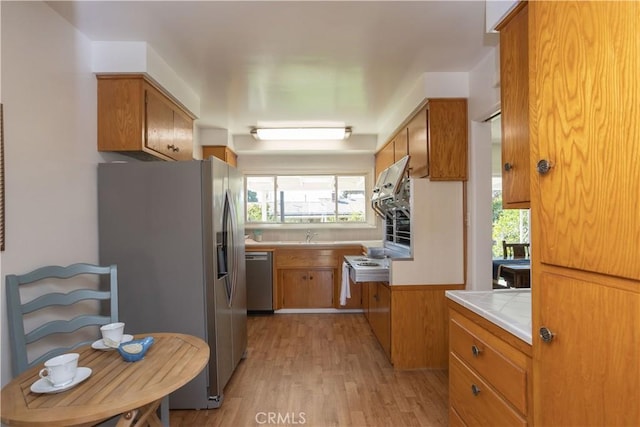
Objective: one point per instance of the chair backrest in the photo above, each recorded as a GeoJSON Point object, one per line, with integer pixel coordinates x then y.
{"type": "Point", "coordinates": [42, 327]}
{"type": "Point", "coordinates": [515, 250]}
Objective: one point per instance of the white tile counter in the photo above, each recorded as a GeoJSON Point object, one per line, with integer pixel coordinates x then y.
{"type": "Point", "coordinates": [510, 309]}
{"type": "Point", "coordinates": [365, 243]}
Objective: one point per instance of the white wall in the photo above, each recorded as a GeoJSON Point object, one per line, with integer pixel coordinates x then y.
{"type": "Point", "coordinates": [411, 94]}
{"type": "Point", "coordinates": [484, 100]}
{"type": "Point", "coordinates": [139, 57]}
{"type": "Point", "coordinates": [49, 97]}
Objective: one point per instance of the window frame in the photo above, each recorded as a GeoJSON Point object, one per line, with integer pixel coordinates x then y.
{"type": "Point", "coordinates": [367, 213]}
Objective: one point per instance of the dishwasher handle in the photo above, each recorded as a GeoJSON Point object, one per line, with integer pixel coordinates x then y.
{"type": "Point", "coordinates": [256, 256]}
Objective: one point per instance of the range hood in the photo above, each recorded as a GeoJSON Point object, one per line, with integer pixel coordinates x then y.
{"type": "Point", "coordinates": [391, 191]}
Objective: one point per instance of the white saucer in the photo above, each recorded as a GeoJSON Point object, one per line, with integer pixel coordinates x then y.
{"type": "Point", "coordinates": [100, 345]}
{"type": "Point", "coordinates": [44, 386]}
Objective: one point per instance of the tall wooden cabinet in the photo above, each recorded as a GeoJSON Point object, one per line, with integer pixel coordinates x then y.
{"type": "Point", "coordinates": [514, 94]}
{"type": "Point", "coordinates": [137, 118]}
{"type": "Point", "coordinates": [585, 192]}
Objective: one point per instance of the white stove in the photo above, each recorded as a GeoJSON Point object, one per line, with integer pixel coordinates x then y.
{"type": "Point", "coordinates": [364, 269]}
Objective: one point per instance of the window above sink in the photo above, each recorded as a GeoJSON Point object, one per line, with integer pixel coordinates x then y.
{"type": "Point", "coordinates": [306, 199]}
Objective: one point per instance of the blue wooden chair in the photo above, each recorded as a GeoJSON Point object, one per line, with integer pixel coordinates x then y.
{"type": "Point", "coordinates": [17, 311]}
{"type": "Point", "coordinates": [77, 290]}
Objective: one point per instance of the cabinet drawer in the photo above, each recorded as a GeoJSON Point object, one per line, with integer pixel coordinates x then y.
{"type": "Point", "coordinates": [485, 407]}
{"type": "Point", "coordinates": [503, 374]}
{"type": "Point", "coordinates": [305, 258]}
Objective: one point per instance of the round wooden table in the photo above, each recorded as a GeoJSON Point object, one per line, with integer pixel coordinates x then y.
{"type": "Point", "coordinates": [133, 390]}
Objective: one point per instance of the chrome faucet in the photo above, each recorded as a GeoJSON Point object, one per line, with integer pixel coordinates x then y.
{"type": "Point", "coordinates": [310, 235]}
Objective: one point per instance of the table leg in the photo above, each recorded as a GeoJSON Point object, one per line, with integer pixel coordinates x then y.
{"type": "Point", "coordinates": [144, 416]}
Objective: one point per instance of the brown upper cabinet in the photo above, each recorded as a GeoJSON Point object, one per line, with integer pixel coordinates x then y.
{"type": "Point", "coordinates": [436, 138]}
{"type": "Point", "coordinates": [222, 152]}
{"type": "Point", "coordinates": [400, 145]}
{"type": "Point", "coordinates": [385, 157]}
{"type": "Point", "coordinates": [514, 93]}
{"type": "Point", "coordinates": [136, 117]}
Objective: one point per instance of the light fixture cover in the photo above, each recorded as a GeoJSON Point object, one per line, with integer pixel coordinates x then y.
{"type": "Point", "coordinates": [307, 133]}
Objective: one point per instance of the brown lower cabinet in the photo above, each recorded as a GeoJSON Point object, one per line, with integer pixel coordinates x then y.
{"type": "Point", "coordinates": [311, 277]}
{"type": "Point", "coordinates": [307, 288]}
{"type": "Point", "coordinates": [379, 311]}
{"type": "Point", "coordinates": [489, 373]}
{"type": "Point", "coordinates": [410, 322]}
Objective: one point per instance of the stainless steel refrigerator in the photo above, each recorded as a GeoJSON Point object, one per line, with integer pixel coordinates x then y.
{"type": "Point", "coordinates": [176, 232]}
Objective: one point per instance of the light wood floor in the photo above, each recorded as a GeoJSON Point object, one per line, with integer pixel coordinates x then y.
{"type": "Point", "coordinates": [322, 370]}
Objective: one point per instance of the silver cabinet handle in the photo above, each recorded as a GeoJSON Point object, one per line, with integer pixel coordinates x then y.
{"type": "Point", "coordinates": [546, 334]}
{"type": "Point", "coordinates": [475, 351]}
{"type": "Point", "coordinates": [508, 166]}
{"type": "Point", "coordinates": [544, 166]}
{"type": "Point", "coordinates": [475, 390]}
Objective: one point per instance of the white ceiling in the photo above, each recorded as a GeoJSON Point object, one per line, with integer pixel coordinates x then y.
{"type": "Point", "coordinates": [259, 61]}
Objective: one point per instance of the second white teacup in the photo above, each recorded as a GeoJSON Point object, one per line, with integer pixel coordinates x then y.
{"type": "Point", "coordinates": [60, 370]}
{"type": "Point", "coordinates": [112, 334]}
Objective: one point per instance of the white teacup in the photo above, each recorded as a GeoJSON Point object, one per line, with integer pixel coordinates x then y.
{"type": "Point", "coordinates": [60, 370]}
{"type": "Point", "coordinates": [112, 334]}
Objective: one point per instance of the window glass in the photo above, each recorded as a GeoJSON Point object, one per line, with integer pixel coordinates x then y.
{"type": "Point", "coordinates": [260, 199]}
{"type": "Point", "coordinates": [351, 199]}
{"type": "Point", "coordinates": [306, 199]}
{"type": "Point", "coordinates": [511, 225]}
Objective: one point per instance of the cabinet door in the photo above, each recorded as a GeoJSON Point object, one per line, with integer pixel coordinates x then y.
{"type": "Point", "coordinates": [356, 296]}
{"type": "Point", "coordinates": [307, 288]}
{"type": "Point", "coordinates": [384, 158]}
{"type": "Point", "coordinates": [593, 357]}
{"type": "Point", "coordinates": [295, 289]}
{"type": "Point", "coordinates": [417, 135]}
{"type": "Point", "coordinates": [159, 123]}
{"type": "Point", "coordinates": [380, 314]}
{"type": "Point", "coordinates": [586, 124]}
{"type": "Point", "coordinates": [182, 136]}
{"type": "Point", "coordinates": [384, 311]}
{"type": "Point", "coordinates": [447, 139]}
{"type": "Point", "coordinates": [514, 92]}
{"type": "Point", "coordinates": [320, 288]}
{"type": "Point", "coordinates": [400, 145]}
{"type": "Point", "coordinates": [364, 286]}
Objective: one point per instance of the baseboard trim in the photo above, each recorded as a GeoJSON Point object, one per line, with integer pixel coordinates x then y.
{"type": "Point", "coordinates": [316, 310]}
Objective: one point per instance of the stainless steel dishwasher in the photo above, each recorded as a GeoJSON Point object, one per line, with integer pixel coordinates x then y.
{"type": "Point", "coordinates": [259, 282]}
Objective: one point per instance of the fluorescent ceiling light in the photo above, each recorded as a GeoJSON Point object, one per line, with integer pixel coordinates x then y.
{"type": "Point", "coordinates": [310, 133]}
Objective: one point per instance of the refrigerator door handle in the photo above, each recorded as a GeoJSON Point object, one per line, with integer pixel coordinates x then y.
{"type": "Point", "coordinates": [230, 247]}
{"type": "Point", "coordinates": [234, 247]}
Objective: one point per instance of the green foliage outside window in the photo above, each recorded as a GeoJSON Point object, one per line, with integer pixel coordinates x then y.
{"type": "Point", "coordinates": [511, 225]}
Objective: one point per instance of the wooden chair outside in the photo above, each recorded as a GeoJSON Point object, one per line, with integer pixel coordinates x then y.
{"type": "Point", "coordinates": [515, 250]}
{"type": "Point", "coordinates": [86, 315]}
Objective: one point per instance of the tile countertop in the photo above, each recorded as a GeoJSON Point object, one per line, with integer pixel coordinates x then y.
{"type": "Point", "coordinates": [365, 243]}
{"type": "Point", "coordinates": [510, 309]}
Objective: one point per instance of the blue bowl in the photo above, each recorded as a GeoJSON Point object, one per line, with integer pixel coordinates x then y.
{"type": "Point", "coordinates": [132, 351]}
